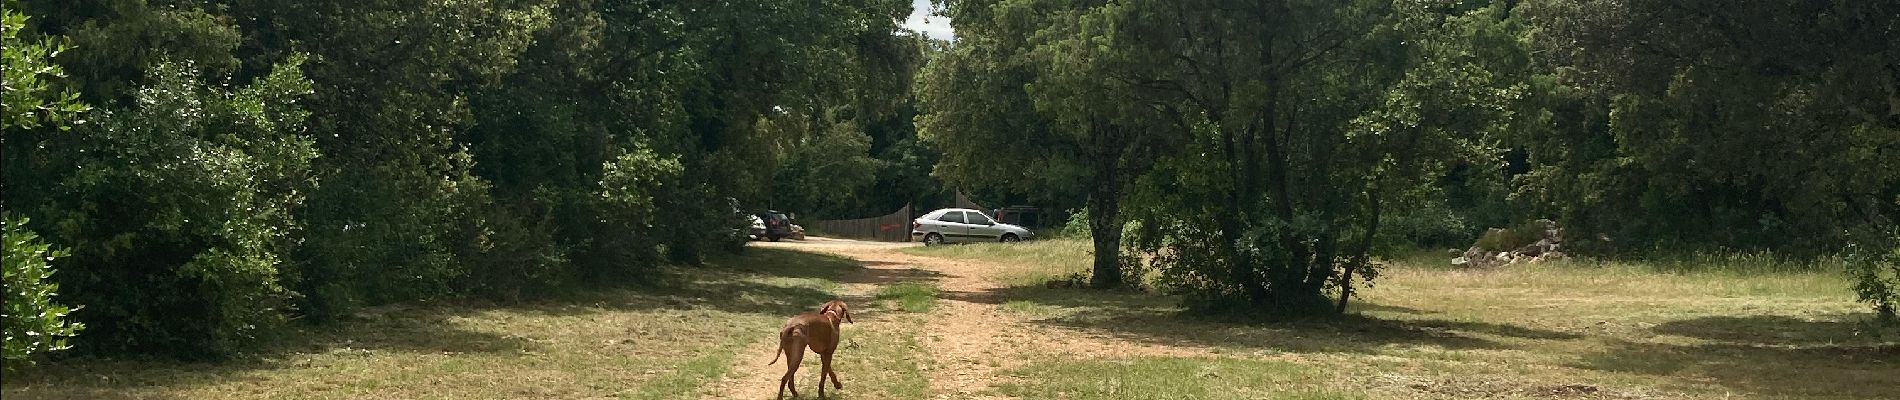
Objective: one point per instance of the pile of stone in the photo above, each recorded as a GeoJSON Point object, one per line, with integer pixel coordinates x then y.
{"type": "Point", "coordinates": [1547, 246]}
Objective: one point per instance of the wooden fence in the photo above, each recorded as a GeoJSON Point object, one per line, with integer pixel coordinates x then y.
{"type": "Point", "coordinates": [893, 227]}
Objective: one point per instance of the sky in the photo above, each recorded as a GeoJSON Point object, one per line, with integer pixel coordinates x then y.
{"type": "Point", "coordinates": [920, 20]}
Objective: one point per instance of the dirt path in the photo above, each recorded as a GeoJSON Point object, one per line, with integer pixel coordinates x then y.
{"type": "Point", "coordinates": [752, 378]}
{"type": "Point", "coordinates": [971, 340]}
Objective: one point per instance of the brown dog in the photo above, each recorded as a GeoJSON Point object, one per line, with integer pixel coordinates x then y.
{"type": "Point", "coordinates": [820, 332]}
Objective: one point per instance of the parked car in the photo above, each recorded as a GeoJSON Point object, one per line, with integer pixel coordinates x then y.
{"type": "Point", "coordinates": [953, 225]}
{"type": "Point", "coordinates": [798, 232]}
{"type": "Point", "coordinates": [773, 225]}
{"type": "Point", "coordinates": [757, 231]}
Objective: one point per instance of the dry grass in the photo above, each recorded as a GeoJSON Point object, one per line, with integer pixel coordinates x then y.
{"type": "Point", "coordinates": [1564, 330]}
{"type": "Point", "coordinates": [1169, 378]}
{"type": "Point", "coordinates": [1427, 330]}
{"type": "Point", "coordinates": [1023, 263]}
{"type": "Point", "coordinates": [658, 342]}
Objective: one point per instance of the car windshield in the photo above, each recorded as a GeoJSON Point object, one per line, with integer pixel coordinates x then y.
{"type": "Point", "coordinates": [956, 217]}
{"type": "Point", "coordinates": [979, 219]}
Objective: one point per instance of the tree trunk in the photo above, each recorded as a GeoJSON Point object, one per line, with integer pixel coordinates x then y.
{"type": "Point", "coordinates": [1360, 255]}
{"type": "Point", "coordinates": [1241, 267]}
{"type": "Point", "coordinates": [1105, 226]}
{"type": "Point", "coordinates": [1106, 231]}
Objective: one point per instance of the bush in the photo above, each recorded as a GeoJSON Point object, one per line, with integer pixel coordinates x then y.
{"type": "Point", "coordinates": [177, 210]}
{"type": "Point", "coordinates": [628, 232]}
{"type": "Point", "coordinates": [1431, 225]}
{"type": "Point", "coordinates": [35, 324]}
{"type": "Point", "coordinates": [1077, 226]}
{"type": "Point", "coordinates": [1875, 269]}
{"type": "Point", "coordinates": [506, 253]}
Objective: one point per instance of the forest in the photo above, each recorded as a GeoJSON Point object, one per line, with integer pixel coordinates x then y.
{"type": "Point", "coordinates": [185, 177]}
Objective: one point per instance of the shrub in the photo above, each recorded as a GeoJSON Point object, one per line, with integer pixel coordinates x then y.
{"type": "Point", "coordinates": [35, 324]}
{"type": "Point", "coordinates": [506, 252]}
{"type": "Point", "coordinates": [627, 234]}
{"type": "Point", "coordinates": [177, 210]}
{"type": "Point", "coordinates": [1077, 225]}
{"type": "Point", "coordinates": [1430, 225]}
{"type": "Point", "coordinates": [1875, 269]}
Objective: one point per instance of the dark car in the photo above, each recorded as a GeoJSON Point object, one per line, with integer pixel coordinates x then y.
{"type": "Point", "coordinates": [772, 225]}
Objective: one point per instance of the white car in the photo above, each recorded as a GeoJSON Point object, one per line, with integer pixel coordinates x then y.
{"type": "Point", "coordinates": [952, 225]}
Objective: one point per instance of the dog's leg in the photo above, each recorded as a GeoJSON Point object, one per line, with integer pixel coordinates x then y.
{"type": "Point", "coordinates": [821, 381]}
{"type": "Point", "coordinates": [792, 343]}
{"type": "Point", "coordinates": [784, 382]}
{"type": "Point", "coordinates": [826, 358]}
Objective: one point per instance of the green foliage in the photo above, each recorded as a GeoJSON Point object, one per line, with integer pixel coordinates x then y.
{"type": "Point", "coordinates": [1432, 224]}
{"type": "Point", "coordinates": [1664, 124]}
{"type": "Point", "coordinates": [824, 161]}
{"type": "Point", "coordinates": [631, 236]}
{"type": "Point", "coordinates": [1077, 226]}
{"type": "Point", "coordinates": [35, 324]}
{"type": "Point", "coordinates": [30, 97]}
{"type": "Point", "coordinates": [186, 195]}
{"type": "Point", "coordinates": [1875, 271]}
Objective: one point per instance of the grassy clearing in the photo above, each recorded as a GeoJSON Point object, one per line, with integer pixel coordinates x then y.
{"type": "Point", "coordinates": [657, 342]}
{"type": "Point", "coordinates": [1428, 330]}
{"type": "Point", "coordinates": [1169, 378]}
{"type": "Point", "coordinates": [917, 296]}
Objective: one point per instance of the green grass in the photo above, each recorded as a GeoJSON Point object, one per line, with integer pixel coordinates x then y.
{"type": "Point", "coordinates": [1170, 378]}
{"type": "Point", "coordinates": [1025, 263]}
{"type": "Point", "coordinates": [1717, 327]}
{"type": "Point", "coordinates": [914, 297]}
{"type": "Point", "coordinates": [653, 342]}
{"type": "Point", "coordinates": [1032, 308]}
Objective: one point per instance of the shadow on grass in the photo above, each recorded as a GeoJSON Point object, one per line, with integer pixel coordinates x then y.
{"type": "Point", "coordinates": [1833, 356]}
{"type": "Point", "coordinates": [1777, 330]}
{"type": "Point", "coordinates": [1158, 320]}
{"type": "Point", "coordinates": [762, 281]}
{"type": "Point", "coordinates": [399, 329]}
{"type": "Point", "coordinates": [1830, 371]}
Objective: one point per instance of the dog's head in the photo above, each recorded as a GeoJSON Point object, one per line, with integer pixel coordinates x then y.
{"type": "Point", "coordinates": [836, 306]}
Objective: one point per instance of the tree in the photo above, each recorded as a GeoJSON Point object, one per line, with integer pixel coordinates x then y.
{"type": "Point", "coordinates": [187, 195]}
{"type": "Point", "coordinates": [35, 323]}
{"type": "Point", "coordinates": [31, 97]}
{"type": "Point", "coordinates": [1264, 138]}
{"type": "Point", "coordinates": [1773, 125]}
{"type": "Point", "coordinates": [1016, 102]}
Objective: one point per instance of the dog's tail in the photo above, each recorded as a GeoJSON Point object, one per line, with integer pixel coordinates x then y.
{"type": "Point", "coordinates": [782, 336]}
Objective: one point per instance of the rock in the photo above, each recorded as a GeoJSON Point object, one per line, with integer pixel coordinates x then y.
{"type": "Point", "coordinates": [1546, 247]}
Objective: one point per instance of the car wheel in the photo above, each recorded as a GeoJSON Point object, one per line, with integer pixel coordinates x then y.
{"type": "Point", "coordinates": [773, 238]}
{"type": "Point", "coordinates": [933, 239]}
{"type": "Point", "coordinates": [1011, 238]}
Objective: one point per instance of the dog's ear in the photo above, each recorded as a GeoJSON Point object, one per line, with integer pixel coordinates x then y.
{"type": "Point", "coordinates": [826, 308]}
{"type": "Point", "coordinates": [846, 311]}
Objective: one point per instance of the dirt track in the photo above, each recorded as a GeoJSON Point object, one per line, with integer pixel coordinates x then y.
{"type": "Point", "coordinates": [970, 340]}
